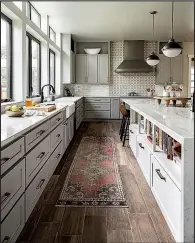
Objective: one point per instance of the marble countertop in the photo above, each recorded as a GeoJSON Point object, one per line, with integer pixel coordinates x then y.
{"type": "Point", "coordinates": [178, 122]}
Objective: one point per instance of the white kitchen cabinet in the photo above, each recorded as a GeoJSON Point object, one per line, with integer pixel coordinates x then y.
{"type": "Point", "coordinates": [168, 197]}
{"type": "Point", "coordinates": [115, 112]}
{"type": "Point", "coordinates": [92, 69]}
{"type": "Point", "coordinates": [81, 69]}
{"type": "Point", "coordinates": [132, 140]}
{"type": "Point", "coordinates": [164, 71]}
{"type": "Point", "coordinates": [103, 69]}
{"type": "Point", "coordinates": [13, 223]}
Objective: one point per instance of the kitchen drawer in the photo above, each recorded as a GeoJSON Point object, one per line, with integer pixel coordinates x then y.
{"type": "Point", "coordinates": [78, 121]}
{"type": "Point", "coordinates": [11, 154]}
{"type": "Point", "coordinates": [97, 114]}
{"type": "Point", "coordinates": [36, 188]}
{"type": "Point", "coordinates": [13, 223]}
{"type": "Point", "coordinates": [56, 137]}
{"type": "Point", "coordinates": [36, 159]}
{"type": "Point", "coordinates": [132, 140]}
{"type": "Point", "coordinates": [143, 158]}
{"type": "Point", "coordinates": [56, 120]}
{"type": "Point", "coordinates": [36, 135]}
{"type": "Point", "coordinates": [168, 197]}
{"type": "Point", "coordinates": [79, 111]}
{"type": "Point", "coordinates": [55, 159]}
{"type": "Point", "coordinates": [78, 103]}
{"type": "Point", "coordinates": [10, 192]}
{"type": "Point", "coordinates": [97, 106]}
{"type": "Point", "coordinates": [100, 100]}
{"type": "Point", "coordinates": [64, 115]}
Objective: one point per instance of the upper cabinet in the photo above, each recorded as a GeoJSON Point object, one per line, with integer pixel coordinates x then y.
{"type": "Point", "coordinates": [92, 69]}
{"type": "Point", "coordinates": [164, 68]}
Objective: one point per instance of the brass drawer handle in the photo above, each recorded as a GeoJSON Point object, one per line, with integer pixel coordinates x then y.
{"type": "Point", "coordinates": [58, 119]}
{"type": "Point", "coordinates": [41, 155]}
{"type": "Point", "coordinates": [5, 197]}
{"type": "Point", "coordinates": [57, 157]}
{"type": "Point", "coordinates": [160, 175]}
{"type": "Point", "coordinates": [58, 135]}
{"type": "Point", "coordinates": [6, 239]}
{"type": "Point", "coordinates": [40, 184]}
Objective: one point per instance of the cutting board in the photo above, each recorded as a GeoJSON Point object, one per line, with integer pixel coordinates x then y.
{"type": "Point", "coordinates": [47, 108]}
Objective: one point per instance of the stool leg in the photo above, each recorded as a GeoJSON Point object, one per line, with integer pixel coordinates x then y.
{"type": "Point", "coordinates": [123, 128]}
{"type": "Point", "coordinates": [122, 121]}
{"type": "Point", "coordinates": [126, 129]}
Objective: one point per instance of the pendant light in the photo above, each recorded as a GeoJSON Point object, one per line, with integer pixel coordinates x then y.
{"type": "Point", "coordinates": [153, 59]}
{"type": "Point", "coordinates": [172, 48]}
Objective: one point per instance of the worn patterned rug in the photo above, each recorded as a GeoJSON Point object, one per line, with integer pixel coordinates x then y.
{"type": "Point", "coordinates": [93, 178]}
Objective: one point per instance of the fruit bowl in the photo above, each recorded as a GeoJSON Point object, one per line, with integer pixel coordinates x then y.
{"type": "Point", "coordinates": [15, 113]}
{"type": "Point", "coordinates": [92, 51]}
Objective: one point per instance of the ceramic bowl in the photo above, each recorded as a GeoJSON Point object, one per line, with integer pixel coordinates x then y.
{"type": "Point", "coordinates": [92, 51]}
{"type": "Point", "coordinates": [15, 113]}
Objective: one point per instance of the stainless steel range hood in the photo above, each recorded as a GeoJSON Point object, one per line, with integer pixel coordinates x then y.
{"type": "Point", "coordinates": [134, 58]}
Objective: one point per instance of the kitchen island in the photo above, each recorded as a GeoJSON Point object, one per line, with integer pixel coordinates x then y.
{"type": "Point", "coordinates": [171, 179]}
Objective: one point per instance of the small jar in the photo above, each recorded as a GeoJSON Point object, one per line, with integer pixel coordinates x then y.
{"type": "Point", "coordinates": [28, 102]}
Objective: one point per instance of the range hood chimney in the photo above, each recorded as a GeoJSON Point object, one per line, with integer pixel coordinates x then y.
{"type": "Point", "coordinates": [134, 58]}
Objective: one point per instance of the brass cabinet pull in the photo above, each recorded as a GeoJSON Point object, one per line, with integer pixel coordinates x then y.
{"type": "Point", "coordinates": [40, 184]}
{"type": "Point", "coordinates": [41, 155]}
{"type": "Point", "coordinates": [58, 135]}
{"type": "Point", "coordinates": [5, 197]}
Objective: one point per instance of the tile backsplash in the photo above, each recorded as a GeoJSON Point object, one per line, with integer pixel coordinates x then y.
{"type": "Point", "coordinates": [120, 84]}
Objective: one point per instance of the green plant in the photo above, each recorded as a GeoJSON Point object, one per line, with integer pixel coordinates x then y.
{"type": "Point", "coordinates": [148, 90]}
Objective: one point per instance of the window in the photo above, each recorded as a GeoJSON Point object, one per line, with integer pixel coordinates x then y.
{"type": "Point", "coordinates": [34, 65]}
{"type": "Point", "coordinates": [33, 14]}
{"type": "Point", "coordinates": [52, 64]}
{"type": "Point", "coordinates": [6, 58]}
{"type": "Point", "coordinates": [192, 76]}
{"type": "Point", "coordinates": [52, 34]}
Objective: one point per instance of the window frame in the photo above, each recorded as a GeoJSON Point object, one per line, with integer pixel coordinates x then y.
{"type": "Point", "coordinates": [9, 21]}
{"type": "Point", "coordinates": [191, 58]}
{"type": "Point", "coordinates": [51, 51]}
{"type": "Point", "coordinates": [30, 13]}
{"type": "Point", "coordinates": [50, 34]}
{"type": "Point", "coordinates": [31, 37]}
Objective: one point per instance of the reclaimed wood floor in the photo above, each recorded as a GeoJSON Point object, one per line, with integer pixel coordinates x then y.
{"type": "Point", "coordinates": [141, 222]}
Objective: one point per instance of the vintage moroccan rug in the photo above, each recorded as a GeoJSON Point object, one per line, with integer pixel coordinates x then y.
{"type": "Point", "coordinates": [93, 178]}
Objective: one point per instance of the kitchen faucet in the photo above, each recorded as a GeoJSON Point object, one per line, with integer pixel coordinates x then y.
{"type": "Point", "coordinates": [42, 94]}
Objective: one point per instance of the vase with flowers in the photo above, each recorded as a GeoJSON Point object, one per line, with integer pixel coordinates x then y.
{"type": "Point", "coordinates": [150, 92]}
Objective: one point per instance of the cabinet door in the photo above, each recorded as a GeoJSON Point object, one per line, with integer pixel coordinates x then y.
{"type": "Point", "coordinates": [103, 69]}
{"type": "Point", "coordinates": [92, 68]}
{"type": "Point", "coordinates": [73, 68]}
{"type": "Point", "coordinates": [81, 68]}
{"type": "Point", "coordinates": [177, 63]}
{"type": "Point", "coordinates": [115, 112]}
{"type": "Point", "coordinates": [163, 70]}
{"type": "Point", "coordinates": [71, 128]}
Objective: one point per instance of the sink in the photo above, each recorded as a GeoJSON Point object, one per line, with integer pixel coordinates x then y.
{"type": "Point", "coordinates": [70, 109]}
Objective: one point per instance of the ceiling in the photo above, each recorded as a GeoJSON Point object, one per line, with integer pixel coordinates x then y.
{"type": "Point", "coordinates": [119, 20]}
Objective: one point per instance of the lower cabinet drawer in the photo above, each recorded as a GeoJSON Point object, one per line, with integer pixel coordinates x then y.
{"type": "Point", "coordinates": [102, 100]}
{"type": "Point", "coordinates": [13, 223]}
{"type": "Point", "coordinates": [143, 158]}
{"type": "Point", "coordinates": [79, 111]}
{"type": "Point", "coordinates": [36, 158]}
{"type": "Point", "coordinates": [35, 189]}
{"type": "Point", "coordinates": [12, 187]}
{"type": "Point", "coordinates": [168, 197]}
{"type": "Point", "coordinates": [56, 120]}
{"type": "Point", "coordinates": [56, 137]}
{"type": "Point", "coordinates": [132, 140]}
{"type": "Point", "coordinates": [97, 106]}
{"type": "Point", "coordinates": [55, 159]}
{"type": "Point", "coordinates": [11, 154]}
{"type": "Point", "coordinates": [97, 114]}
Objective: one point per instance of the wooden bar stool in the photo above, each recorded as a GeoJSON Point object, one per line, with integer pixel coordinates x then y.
{"type": "Point", "coordinates": [124, 129]}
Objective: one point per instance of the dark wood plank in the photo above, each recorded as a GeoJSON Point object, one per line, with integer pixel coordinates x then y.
{"type": "Point", "coordinates": [145, 227]}
{"type": "Point", "coordinates": [94, 230]}
{"type": "Point", "coordinates": [116, 236]}
{"type": "Point", "coordinates": [73, 221]}
{"type": "Point", "coordinates": [52, 214]}
{"type": "Point", "coordinates": [95, 211]}
{"type": "Point", "coordinates": [132, 191]}
{"type": "Point", "coordinates": [134, 228]}
{"type": "Point", "coordinates": [69, 239]}
{"type": "Point", "coordinates": [117, 218]}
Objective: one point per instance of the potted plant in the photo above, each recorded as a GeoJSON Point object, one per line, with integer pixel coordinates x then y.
{"type": "Point", "coordinates": [149, 91]}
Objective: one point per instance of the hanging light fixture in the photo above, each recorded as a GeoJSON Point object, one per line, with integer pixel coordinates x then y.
{"type": "Point", "coordinates": [172, 48]}
{"type": "Point", "coordinates": [153, 59]}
